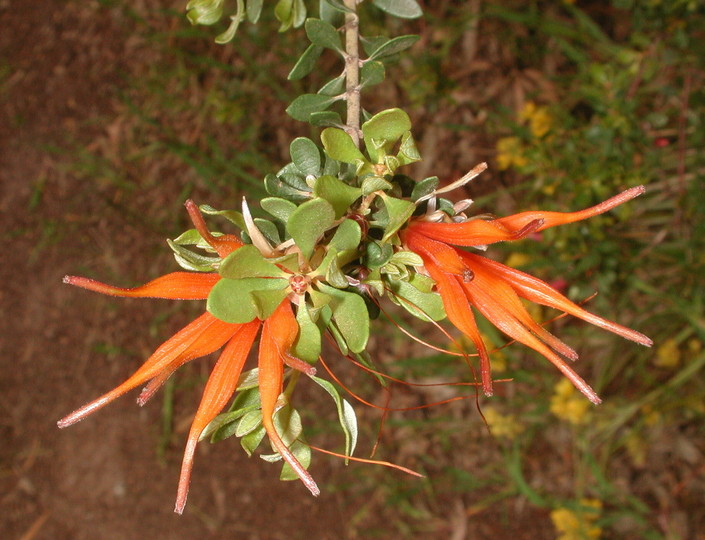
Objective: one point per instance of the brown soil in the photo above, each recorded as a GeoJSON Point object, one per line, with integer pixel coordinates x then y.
{"type": "Point", "coordinates": [62, 66]}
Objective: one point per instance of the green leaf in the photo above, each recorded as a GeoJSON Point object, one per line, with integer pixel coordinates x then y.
{"type": "Point", "coordinates": [325, 118]}
{"type": "Point", "coordinates": [302, 453]}
{"type": "Point", "coordinates": [266, 302]}
{"type": "Point", "coordinates": [305, 105]}
{"type": "Point", "coordinates": [306, 62]}
{"type": "Point", "coordinates": [249, 422]}
{"type": "Point", "coordinates": [225, 425]}
{"type": "Point", "coordinates": [377, 254]}
{"type": "Point", "coordinates": [399, 212]}
{"type": "Point", "coordinates": [339, 194]}
{"type": "Point", "coordinates": [334, 275]}
{"type": "Point", "coordinates": [277, 186]}
{"type": "Point", "coordinates": [408, 153]}
{"type": "Point", "coordinates": [347, 236]}
{"type": "Point", "coordinates": [350, 316]}
{"type": "Point", "coordinates": [404, 9]}
{"type": "Point", "coordinates": [394, 46]}
{"type": "Point", "coordinates": [340, 146]}
{"type": "Point", "coordinates": [248, 262]}
{"type": "Point", "coordinates": [235, 20]}
{"type": "Point", "coordinates": [371, 73]}
{"type": "Point", "coordinates": [254, 10]}
{"type": "Point", "coordinates": [323, 34]}
{"type": "Point", "coordinates": [252, 440]}
{"type": "Point", "coordinates": [306, 156]}
{"type": "Point", "coordinates": [423, 305]}
{"type": "Point", "coordinates": [371, 44]}
{"type": "Point", "coordinates": [331, 14]}
{"type": "Point", "coordinates": [280, 208]}
{"type": "Point", "coordinates": [338, 4]}
{"type": "Point", "coordinates": [287, 422]}
{"type": "Point", "coordinates": [290, 13]}
{"type": "Point", "coordinates": [308, 342]}
{"type": "Point", "coordinates": [231, 301]}
{"type": "Point", "coordinates": [334, 87]}
{"type": "Point", "coordinates": [189, 260]}
{"type": "Point", "coordinates": [269, 230]}
{"type": "Point", "coordinates": [346, 415]}
{"type": "Point", "coordinates": [407, 258]}
{"type": "Point", "coordinates": [249, 380]}
{"type": "Point", "coordinates": [233, 216]}
{"type": "Point", "coordinates": [204, 11]}
{"type": "Point", "coordinates": [375, 183]}
{"type": "Point", "coordinates": [384, 129]}
{"type": "Point", "coordinates": [309, 222]}
{"type": "Point", "coordinates": [424, 187]}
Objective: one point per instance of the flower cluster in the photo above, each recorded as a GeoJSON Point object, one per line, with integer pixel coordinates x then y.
{"type": "Point", "coordinates": [343, 229]}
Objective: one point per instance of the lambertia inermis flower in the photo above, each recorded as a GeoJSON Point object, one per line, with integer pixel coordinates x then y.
{"type": "Point", "coordinates": [467, 280]}
{"type": "Point", "coordinates": [340, 230]}
{"type": "Point", "coordinates": [204, 336]}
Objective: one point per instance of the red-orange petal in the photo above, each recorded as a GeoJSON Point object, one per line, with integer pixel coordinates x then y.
{"type": "Point", "coordinates": [440, 260]}
{"type": "Point", "coordinates": [170, 351]}
{"type": "Point", "coordinates": [175, 286]}
{"type": "Point", "coordinates": [551, 219]}
{"type": "Point", "coordinates": [223, 245]}
{"type": "Point", "coordinates": [503, 319]}
{"type": "Point", "coordinates": [476, 232]}
{"type": "Point", "coordinates": [540, 292]}
{"type": "Point", "coordinates": [278, 334]}
{"type": "Point", "coordinates": [503, 294]}
{"type": "Point", "coordinates": [212, 339]}
{"type": "Point", "coordinates": [219, 389]}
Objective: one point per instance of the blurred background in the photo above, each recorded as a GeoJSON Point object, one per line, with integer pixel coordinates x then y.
{"type": "Point", "coordinates": [113, 112]}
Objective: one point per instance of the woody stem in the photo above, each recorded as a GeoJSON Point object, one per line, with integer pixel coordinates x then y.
{"type": "Point", "coordinates": [352, 70]}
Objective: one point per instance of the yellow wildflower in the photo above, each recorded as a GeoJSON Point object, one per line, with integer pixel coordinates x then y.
{"type": "Point", "coordinates": [517, 259]}
{"type": "Point", "coordinates": [501, 425]}
{"type": "Point", "coordinates": [578, 525]}
{"type": "Point", "coordinates": [694, 345]}
{"type": "Point", "coordinates": [510, 153]}
{"type": "Point", "coordinates": [568, 405]}
{"type": "Point", "coordinates": [668, 355]}
{"type": "Point", "coordinates": [539, 119]}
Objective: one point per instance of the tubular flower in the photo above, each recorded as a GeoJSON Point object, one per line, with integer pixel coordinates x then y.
{"type": "Point", "coordinates": [466, 280]}
{"type": "Point", "coordinates": [201, 337]}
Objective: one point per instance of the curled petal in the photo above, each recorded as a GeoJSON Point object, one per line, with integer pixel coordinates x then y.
{"type": "Point", "coordinates": [476, 232]}
{"type": "Point", "coordinates": [223, 245]}
{"type": "Point", "coordinates": [535, 290]}
{"type": "Point", "coordinates": [187, 343]}
{"type": "Point", "coordinates": [503, 294]}
{"type": "Point", "coordinates": [174, 286]}
{"type": "Point", "coordinates": [443, 263]}
{"type": "Point", "coordinates": [220, 387]}
{"type": "Point", "coordinates": [551, 219]}
{"type": "Point", "coordinates": [505, 320]}
{"type": "Point", "coordinates": [278, 334]}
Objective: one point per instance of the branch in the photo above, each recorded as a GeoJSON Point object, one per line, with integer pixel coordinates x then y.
{"type": "Point", "coordinates": [352, 71]}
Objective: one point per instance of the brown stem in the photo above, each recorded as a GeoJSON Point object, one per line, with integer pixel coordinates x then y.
{"type": "Point", "coordinates": [352, 70]}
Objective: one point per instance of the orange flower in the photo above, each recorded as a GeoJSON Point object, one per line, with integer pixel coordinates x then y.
{"type": "Point", "coordinates": [466, 280]}
{"type": "Point", "coordinates": [201, 337]}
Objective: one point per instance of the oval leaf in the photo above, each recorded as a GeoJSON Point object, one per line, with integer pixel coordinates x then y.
{"type": "Point", "coordinates": [305, 105]}
{"type": "Point", "coordinates": [306, 156]}
{"type": "Point", "coordinates": [340, 146]}
{"type": "Point", "coordinates": [309, 222]}
{"type": "Point", "coordinates": [339, 194]}
{"type": "Point", "coordinates": [404, 9]}
{"type": "Point", "coordinates": [231, 301]}
{"type": "Point", "coordinates": [323, 34]}
{"type": "Point", "coordinates": [394, 46]}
